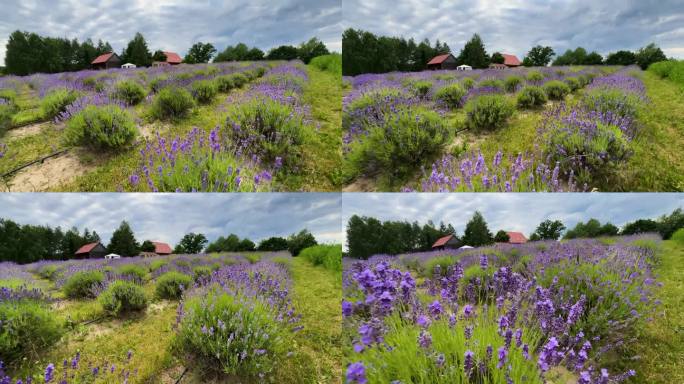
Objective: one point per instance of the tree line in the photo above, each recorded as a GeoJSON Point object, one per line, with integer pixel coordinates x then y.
{"type": "Point", "coordinates": [365, 52]}
{"type": "Point", "coordinates": [28, 52]}
{"type": "Point", "coordinates": [30, 243]}
{"type": "Point", "coordinates": [368, 236]}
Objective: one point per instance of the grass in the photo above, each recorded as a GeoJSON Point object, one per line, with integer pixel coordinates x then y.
{"type": "Point", "coordinates": [328, 256]}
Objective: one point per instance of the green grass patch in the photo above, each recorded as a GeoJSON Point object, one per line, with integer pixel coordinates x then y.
{"type": "Point", "coordinates": [329, 256]}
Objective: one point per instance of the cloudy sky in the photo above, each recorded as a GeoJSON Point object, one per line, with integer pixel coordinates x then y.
{"type": "Point", "coordinates": [513, 26]}
{"type": "Point", "coordinates": [175, 25]}
{"type": "Point", "coordinates": [511, 212]}
{"type": "Point", "coordinates": [167, 217]}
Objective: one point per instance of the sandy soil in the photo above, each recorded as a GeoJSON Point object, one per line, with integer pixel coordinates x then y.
{"type": "Point", "coordinates": [361, 185]}
{"type": "Point", "coordinates": [29, 130]}
{"type": "Point", "coordinates": [51, 173]}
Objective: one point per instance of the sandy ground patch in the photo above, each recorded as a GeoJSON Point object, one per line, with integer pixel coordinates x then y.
{"type": "Point", "coordinates": [361, 184]}
{"type": "Point", "coordinates": [50, 173]}
{"type": "Point", "coordinates": [149, 131]}
{"type": "Point", "coordinates": [29, 130]}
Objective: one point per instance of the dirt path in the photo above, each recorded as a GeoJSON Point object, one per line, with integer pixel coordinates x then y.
{"type": "Point", "coordinates": [25, 131]}
{"type": "Point", "coordinates": [51, 173]}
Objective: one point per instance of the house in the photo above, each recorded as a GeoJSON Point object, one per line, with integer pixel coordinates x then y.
{"type": "Point", "coordinates": [106, 61]}
{"type": "Point", "coordinates": [447, 61]}
{"type": "Point", "coordinates": [498, 66]}
{"type": "Point", "coordinates": [464, 68]}
{"type": "Point", "coordinates": [128, 65]}
{"type": "Point", "coordinates": [516, 238]}
{"type": "Point", "coordinates": [448, 241]}
{"type": "Point", "coordinates": [91, 251]}
{"type": "Point", "coordinates": [162, 248]}
{"type": "Point", "coordinates": [172, 58]}
{"type": "Point", "coordinates": [511, 61]}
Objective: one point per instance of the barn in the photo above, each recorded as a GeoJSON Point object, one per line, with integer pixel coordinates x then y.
{"type": "Point", "coordinates": [106, 61]}
{"type": "Point", "coordinates": [162, 248]}
{"type": "Point", "coordinates": [511, 61]}
{"type": "Point", "coordinates": [516, 238]}
{"type": "Point", "coordinates": [172, 58]}
{"type": "Point", "coordinates": [448, 241]}
{"type": "Point", "coordinates": [91, 251]}
{"type": "Point", "coordinates": [447, 61]}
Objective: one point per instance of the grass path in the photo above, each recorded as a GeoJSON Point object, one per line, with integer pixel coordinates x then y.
{"type": "Point", "coordinates": [661, 346]}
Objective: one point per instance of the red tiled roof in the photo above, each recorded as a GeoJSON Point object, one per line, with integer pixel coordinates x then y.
{"type": "Point", "coordinates": [442, 241]}
{"type": "Point", "coordinates": [86, 248]}
{"type": "Point", "coordinates": [516, 238]}
{"type": "Point", "coordinates": [172, 58]}
{"type": "Point", "coordinates": [102, 58]}
{"type": "Point", "coordinates": [439, 59]}
{"type": "Point", "coordinates": [162, 248]}
{"type": "Point", "coordinates": [511, 60]}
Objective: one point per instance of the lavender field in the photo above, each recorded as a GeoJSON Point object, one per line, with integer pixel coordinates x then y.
{"type": "Point", "coordinates": [584, 311]}
{"type": "Point", "coordinates": [248, 317]}
{"type": "Point", "coordinates": [225, 127]}
{"type": "Point", "coordinates": [567, 128]}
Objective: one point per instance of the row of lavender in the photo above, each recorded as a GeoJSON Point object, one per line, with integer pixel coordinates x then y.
{"type": "Point", "coordinates": [235, 314]}
{"type": "Point", "coordinates": [500, 314]}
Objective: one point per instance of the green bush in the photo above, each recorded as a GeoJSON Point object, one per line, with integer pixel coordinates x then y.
{"type": "Point", "coordinates": [201, 273]}
{"type": "Point", "coordinates": [56, 101]}
{"type": "Point", "coordinates": [156, 83]}
{"type": "Point", "coordinates": [512, 83]}
{"type": "Point", "coordinates": [224, 83]}
{"type": "Point", "coordinates": [406, 139]}
{"type": "Point", "coordinates": [172, 103]}
{"type": "Point", "coordinates": [556, 90]}
{"type": "Point", "coordinates": [204, 91]}
{"type": "Point", "coordinates": [172, 284]}
{"type": "Point", "coordinates": [224, 334]}
{"type": "Point", "coordinates": [451, 95]}
{"type": "Point", "coordinates": [421, 88]}
{"type": "Point", "coordinates": [7, 111]}
{"type": "Point", "coordinates": [27, 327]}
{"type": "Point", "coordinates": [531, 96]}
{"type": "Point", "coordinates": [492, 83]}
{"type": "Point", "coordinates": [573, 83]}
{"type": "Point", "coordinates": [105, 127]}
{"type": "Point", "coordinates": [678, 236]}
{"type": "Point", "coordinates": [48, 272]}
{"type": "Point", "coordinates": [129, 91]}
{"type": "Point", "coordinates": [9, 95]}
{"type": "Point", "coordinates": [487, 112]}
{"type": "Point", "coordinates": [444, 262]}
{"type": "Point", "coordinates": [468, 83]}
{"type": "Point", "coordinates": [239, 79]}
{"type": "Point", "coordinates": [677, 74]}
{"type": "Point", "coordinates": [329, 256]}
{"type": "Point", "coordinates": [534, 77]}
{"type": "Point", "coordinates": [82, 284]}
{"type": "Point", "coordinates": [329, 63]}
{"type": "Point", "coordinates": [661, 68]}
{"type": "Point", "coordinates": [134, 271]}
{"type": "Point", "coordinates": [612, 100]}
{"type": "Point", "coordinates": [94, 83]}
{"type": "Point", "coordinates": [122, 297]}
{"type": "Point", "coordinates": [156, 264]}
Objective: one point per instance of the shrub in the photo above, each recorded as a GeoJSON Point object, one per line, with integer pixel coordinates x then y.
{"type": "Point", "coordinates": [82, 284]}
{"type": "Point", "coordinates": [156, 264]}
{"type": "Point", "coordinates": [201, 273]}
{"type": "Point", "coordinates": [512, 83]}
{"type": "Point", "coordinates": [48, 272]}
{"type": "Point", "coordinates": [678, 236]}
{"type": "Point", "coordinates": [677, 74]}
{"type": "Point", "coordinates": [157, 82]}
{"type": "Point", "coordinates": [105, 127]}
{"type": "Point", "coordinates": [451, 95]}
{"type": "Point", "coordinates": [172, 284]}
{"type": "Point", "coordinates": [531, 96]}
{"type": "Point", "coordinates": [612, 100]}
{"type": "Point", "coordinates": [122, 297]}
{"type": "Point", "coordinates": [487, 112]}
{"type": "Point", "coordinates": [56, 101]}
{"type": "Point", "coordinates": [204, 91]}
{"type": "Point", "coordinates": [224, 83]}
{"type": "Point", "coordinates": [94, 83]}
{"type": "Point", "coordinates": [329, 63]}
{"type": "Point", "coordinates": [573, 83]}
{"type": "Point", "coordinates": [421, 88]}
{"type": "Point", "coordinates": [240, 327]}
{"type": "Point", "coordinates": [492, 83]}
{"type": "Point", "coordinates": [468, 83]}
{"type": "Point", "coordinates": [8, 95]}
{"type": "Point", "coordinates": [535, 77]}
{"type": "Point", "coordinates": [329, 256]}
{"type": "Point", "coordinates": [439, 265]}
{"type": "Point", "coordinates": [661, 68]}
{"type": "Point", "coordinates": [406, 139]}
{"type": "Point", "coordinates": [27, 327]}
{"type": "Point", "coordinates": [129, 91]}
{"type": "Point", "coordinates": [7, 111]}
{"type": "Point", "coordinates": [239, 79]}
{"type": "Point", "coordinates": [267, 128]}
{"type": "Point", "coordinates": [556, 89]}
{"type": "Point", "coordinates": [133, 271]}
{"type": "Point", "coordinates": [172, 103]}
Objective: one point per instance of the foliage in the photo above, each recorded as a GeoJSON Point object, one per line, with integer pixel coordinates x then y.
{"type": "Point", "coordinates": [540, 56]}
{"type": "Point", "coordinates": [201, 273]}
{"type": "Point", "coordinates": [578, 57]}
{"type": "Point", "coordinates": [283, 52]}
{"type": "Point", "coordinates": [476, 232]}
{"type": "Point", "coordinates": [27, 327]}
{"type": "Point", "coordinates": [668, 224]}
{"type": "Point", "coordinates": [105, 127]}
{"type": "Point", "coordinates": [648, 55]}
{"type": "Point", "coordinates": [592, 228]}
{"type": "Point", "coordinates": [531, 96]}
{"type": "Point", "coordinates": [511, 83]}
{"type": "Point", "coordinates": [122, 297]}
{"type": "Point", "coordinates": [613, 101]}
{"type": "Point", "coordinates": [331, 63]}
{"type": "Point", "coordinates": [329, 256]}
{"type": "Point", "coordinates": [678, 236]}
{"type": "Point", "coordinates": [297, 242]}
{"type": "Point", "coordinates": [451, 95]}
{"type": "Point", "coordinates": [239, 52]}
{"type": "Point", "coordinates": [534, 77]}
{"type": "Point", "coordinates": [136, 52]}
{"type": "Point", "coordinates": [191, 243]}
{"type": "Point", "coordinates": [474, 53]}
{"type": "Point", "coordinates": [488, 112]}
{"type": "Point", "coordinates": [56, 102]}
{"type": "Point", "coordinates": [204, 91]}
{"type": "Point", "coordinates": [172, 103]}
{"type": "Point", "coordinates": [640, 226]}
{"type": "Point", "coordinates": [501, 237]}
{"type": "Point", "coordinates": [311, 49]}
{"type": "Point", "coordinates": [549, 230]}
{"type": "Point", "coordinates": [133, 271]}
{"type": "Point", "coordinates": [147, 246]}
{"type": "Point", "coordinates": [171, 285]}
{"type": "Point", "coordinates": [497, 58]}
{"type": "Point", "coordinates": [231, 243]}
{"type": "Point", "coordinates": [83, 284]}
{"type": "Point", "coordinates": [159, 55]}
{"type": "Point", "coordinates": [129, 91]}
{"type": "Point", "coordinates": [556, 90]}
{"type": "Point", "coordinates": [621, 58]}
{"type": "Point", "coordinates": [273, 244]}
{"type": "Point", "coordinates": [224, 83]}
{"type": "Point", "coordinates": [123, 241]}
{"type": "Point", "coordinates": [200, 53]}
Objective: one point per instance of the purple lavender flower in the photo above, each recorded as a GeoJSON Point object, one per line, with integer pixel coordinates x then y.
{"type": "Point", "coordinates": [356, 373]}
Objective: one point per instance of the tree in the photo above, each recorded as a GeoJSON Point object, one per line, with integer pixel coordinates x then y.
{"type": "Point", "coordinates": [233, 53]}
{"type": "Point", "coordinates": [527, 62]}
{"type": "Point", "coordinates": [593, 58]}
{"type": "Point", "coordinates": [502, 237]}
{"type": "Point", "coordinates": [123, 241]}
{"type": "Point", "coordinates": [570, 57]}
{"type": "Point", "coordinates": [640, 226]}
{"type": "Point", "coordinates": [191, 243]}
{"type": "Point", "coordinates": [648, 55]}
{"type": "Point", "coordinates": [310, 49]}
{"type": "Point", "coordinates": [476, 232]}
{"type": "Point", "coordinates": [246, 245]}
{"type": "Point", "coordinates": [159, 56]}
{"type": "Point", "coordinates": [225, 244]}
{"type": "Point", "coordinates": [621, 58]}
{"type": "Point", "coordinates": [539, 56]}
{"type": "Point", "coordinates": [200, 53]}
{"type": "Point", "coordinates": [609, 229]}
{"type": "Point", "coordinates": [548, 230]}
{"type": "Point", "coordinates": [497, 58]}
{"type": "Point", "coordinates": [474, 53]}
{"type": "Point", "coordinates": [297, 242]}
{"type": "Point", "coordinates": [136, 52]}
{"type": "Point", "coordinates": [255, 54]}
{"type": "Point", "coordinates": [284, 52]}
{"type": "Point", "coordinates": [591, 229]}
{"type": "Point", "coordinates": [148, 246]}
{"type": "Point", "coordinates": [273, 244]}
{"type": "Point", "coordinates": [668, 224]}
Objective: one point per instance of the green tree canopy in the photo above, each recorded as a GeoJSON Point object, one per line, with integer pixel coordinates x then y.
{"type": "Point", "coordinates": [191, 243]}
{"type": "Point", "coordinates": [238, 52]}
{"type": "Point", "coordinates": [502, 237]}
{"type": "Point", "coordinates": [273, 244]}
{"type": "Point", "coordinates": [283, 52]}
{"type": "Point", "coordinates": [123, 241]}
{"type": "Point", "coordinates": [474, 53]}
{"type": "Point", "coordinates": [147, 246]}
{"type": "Point", "coordinates": [136, 52]}
{"type": "Point", "coordinates": [621, 58]}
{"type": "Point", "coordinates": [477, 233]}
{"type": "Point", "coordinates": [200, 53]}
{"type": "Point", "coordinates": [648, 55]}
{"type": "Point", "coordinates": [497, 58]}
{"type": "Point", "coordinates": [548, 230]}
{"type": "Point", "coordinates": [540, 56]}
{"type": "Point", "coordinates": [159, 56]}
{"type": "Point", "coordinates": [298, 241]}
{"type": "Point", "coordinates": [310, 49]}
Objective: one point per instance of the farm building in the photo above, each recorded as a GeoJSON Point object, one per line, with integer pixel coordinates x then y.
{"type": "Point", "coordinates": [91, 251]}
{"type": "Point", "coordinates": [447, 61]}
{"type": "Point", "coordinates": [106, 61]}
{"type": "Point", "coordinates": [128, 65]}
{"type": "Point", "coordinates": [162, 248]}
{"type": "Point", "coordinates": [448, 241]}
{"type": "Point", "coordinates": [516, 238]}
{"type": "Point", "coordinates": [172, 58]}
{"type": "Point", "coordinates": [498, 66]}
{"type": "Point", "coordinates": [464, 68]}
{"type": "Point", "coordinates": [511, 61]}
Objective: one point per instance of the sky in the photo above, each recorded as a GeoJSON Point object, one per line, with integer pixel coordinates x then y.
{"type": "Point", "coordinates": [514, 26]}
{"type": "Point", "coordinates": [520, 212]}
{"type": "Point", "coordinates": [167, 217]}
{"type": "Point", "coordinates": [174, 25]}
